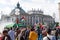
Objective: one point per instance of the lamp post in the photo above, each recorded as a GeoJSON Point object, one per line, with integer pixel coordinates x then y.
{"type": "Point", "coordinates": [17, 14]}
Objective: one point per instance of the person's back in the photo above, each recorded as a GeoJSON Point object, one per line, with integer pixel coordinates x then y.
{"type": "Point", "coordinates": [58, 37]}
{"type": "Point", "coordinates": [39, 31]}
{"type": "Point", "coordinates": [27, 34]}
{"type": "Point", "coordinates": [49, 36]}
{"type": "Point", "coordinates": [12, 34]}
{"type": "Point", "coordinates": [33, 35]}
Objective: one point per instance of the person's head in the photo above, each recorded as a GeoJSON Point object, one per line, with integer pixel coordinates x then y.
{"type": "Point", "coordinates": [32, 29]}
{"type": "Point", "coordinates": [11, 28]}
{"type": "Point", "coordinates": [53, 31]}
{"type": "Point", "coordinates": [38, 27]}
{"type": "Point", "coordinates": [17, 28]}
{"type": "Point", "coordinates": [5, 32]}
{"type": "Point", "coordinates": [18, 31]}
{"type": "Point", "coordinates": [49, 31]}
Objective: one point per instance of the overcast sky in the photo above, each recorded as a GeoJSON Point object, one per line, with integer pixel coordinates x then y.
{"type": "Point", "coordinates": [48, 6]}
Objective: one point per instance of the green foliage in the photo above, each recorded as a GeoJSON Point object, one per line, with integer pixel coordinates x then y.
{"type": "Point", "coordinates": [57, 24]}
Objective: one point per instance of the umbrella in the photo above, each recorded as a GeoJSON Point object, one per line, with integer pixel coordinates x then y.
{"type": "Point", "coordinates": [9, 26]}
{"type": "Point", "coordinates": [19, 25]}
{"type": "Point", "coordinates": [14, 25]}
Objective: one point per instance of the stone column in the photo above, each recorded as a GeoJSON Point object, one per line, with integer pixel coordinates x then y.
{"type": "Point", "coordinates": [35, 19]}
{"type": "Point", "coordinates": [32, 20]}
{"type": "Point", "coordinates": [38, 19]}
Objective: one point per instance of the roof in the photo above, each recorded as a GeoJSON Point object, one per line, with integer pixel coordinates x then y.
{"type": "Point", "coordinates": [35, 12]}
{"type": "Point", "coordinates": [48, 16]}
{"type": "Point", "coordinates": [18, 7]}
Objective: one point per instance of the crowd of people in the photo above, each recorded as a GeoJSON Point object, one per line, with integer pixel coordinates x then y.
{"type": "Point", "coordinates": [30, 33]}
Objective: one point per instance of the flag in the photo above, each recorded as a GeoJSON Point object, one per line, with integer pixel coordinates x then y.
{"type": "Point", "coordinates": [23, 19]}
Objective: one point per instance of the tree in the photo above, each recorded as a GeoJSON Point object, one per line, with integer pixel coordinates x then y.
{"type": "Point", "coordinates": [57, 24]}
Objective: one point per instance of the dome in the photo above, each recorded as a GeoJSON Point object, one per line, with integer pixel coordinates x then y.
{"type": "Point", "coordinates": [18, 8]}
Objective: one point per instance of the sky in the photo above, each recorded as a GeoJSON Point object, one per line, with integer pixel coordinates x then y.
{"type": "Point", "coordinates": [48, 6]}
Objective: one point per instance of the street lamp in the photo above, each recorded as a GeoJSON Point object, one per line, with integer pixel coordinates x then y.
{"type": "Point", "coordinates": [17, 14]}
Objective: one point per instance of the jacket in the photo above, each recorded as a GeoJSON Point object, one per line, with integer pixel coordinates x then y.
{"type": "Point", "coordinates": [33, 35]}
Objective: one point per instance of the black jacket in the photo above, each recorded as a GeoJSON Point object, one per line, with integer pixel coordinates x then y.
{"type": "Point", "coordinates": [7, 37]}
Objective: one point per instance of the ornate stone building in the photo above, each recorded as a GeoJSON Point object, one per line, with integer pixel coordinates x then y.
{"type": "Point", "coordinates": [32, 16]}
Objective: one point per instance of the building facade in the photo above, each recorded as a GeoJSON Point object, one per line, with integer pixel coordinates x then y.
{"type": "Point", "coordinates": [59, 12]}
{"type": "Point", "coordinates": [32, 16]}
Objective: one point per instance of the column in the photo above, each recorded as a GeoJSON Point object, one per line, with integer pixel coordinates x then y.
{"type": "Point", "coordinates": [59, 13]}
{"type": "Point", "coordinates": [32, 20]}
{"type": "Point", "coordinates": [35, 19]}
{"type": "Point", "coordinates": [38, 19]}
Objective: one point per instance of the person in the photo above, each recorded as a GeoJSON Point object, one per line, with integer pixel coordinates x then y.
{"type": "Point", "coordinates": [58, 34]}
{"type": "Point", "coordinates": [5, 35]}
{"type": "Point", "coordinates": [0, 36]}
{"type": "Point", "coordinates": [12, 34]}
{"type": "Point", "coordinates": [41, 26]}
{"type": "Point", "coordinates": [27, 33]}
{"type": "Point", "coordinates": [33, 35]}
{"type": "Point", "coordinates": [49, 36]}
{"type": "Point", "coordinates": [17, 34]}
{"type": "Point", "coordinates": [22, 34]}
{"type": "Point", "coordinates": [39, 31]}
